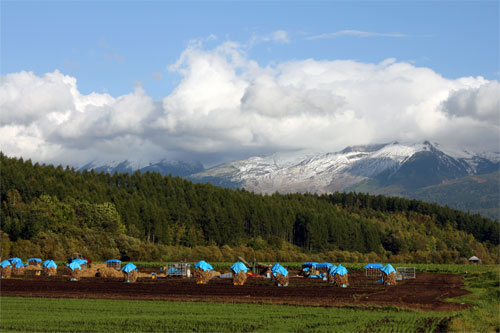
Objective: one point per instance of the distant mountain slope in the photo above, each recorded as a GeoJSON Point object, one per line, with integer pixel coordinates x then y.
{"type": "Point", "coordinates": [164, 167]}
{"type": "Point", "coordinates": [475, 194]}
{"type": "Point", "coordinates": [392, 169]}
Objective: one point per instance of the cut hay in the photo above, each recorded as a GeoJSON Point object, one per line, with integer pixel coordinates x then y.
{"type": "Point", "coordinates": [143, 275]}
{"type": "Point", "coordinates": [389, 280]}
{"type": "Point", "coordinates": [31, 268]}
{"type": "Point", "coordinates": [240, 278]}
{"type": "Point", "coordinates": [202, 277]}
{"type": "Point", "coordinates": [50, 271]}
{"type": "Point", "coordinates": [18, 271]}
{"type": "Point", "coordinates": [130, 277]}
{"type": "Point", "coordinates": [75, 275]}
{"type": "Point", "coordinates": [339, 280]}
{"type": "Point", "coordinates": [101, 270]}
{"type": "Point", "coordinates": [281, 280]}
{"type": "Point", "coordinates": [37, 264]}
{"type": "Point", "coordinates": [5, 272]}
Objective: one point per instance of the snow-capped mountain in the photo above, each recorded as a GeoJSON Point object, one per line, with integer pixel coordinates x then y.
{"type": "Point", "coordinates": [409, 166]}
{"type": "Point", "coordinates": [164, 167]}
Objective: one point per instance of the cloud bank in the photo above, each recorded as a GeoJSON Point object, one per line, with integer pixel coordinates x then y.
{"type": "Point", "coordinates": [228, 106]}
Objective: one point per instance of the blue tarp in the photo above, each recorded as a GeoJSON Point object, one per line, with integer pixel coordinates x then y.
{"type": "Point", "coordinates": [5, 263]}
{"type": "Point", "coordinates": [317, 276]}
{"type": "Point", "coordinates": [203, 265]}
{"type": "Point", "coordinates": [49, 264]}
{"type": "Point", "coordinates": [129, 267]}
{"type": "Point", "coordinates": [173, 270]}
{"type": "Point", "coordinates": [74, 265]}
{"type": "Point", "coordinates": [374, 266]}
{"type": "Point", "coordinates": [340, 270]}
{"type": "Point", "coordinates": [44, 264]}
{"type": "Point", "coordinates": [324, 265]}
{"type": "Point", "coordinates": [34, 259]}
{"type": "Point", "coordinates": [18, 264]}
{"type": "Point", "coordinates": [332, 269]}
{"type": "Point", "coordinates": [14, 260]}
{"type": "Point", "coordinates": [309, 264]}
{"type": "Point", "coordinates": [388, 269]}
{"type": "Point", "coordinates": [80, 261]}
{"type": "Point", "coordinates": [113, 260]}
{"type": "Point", "coordinates": [239, 266]}
{"type": "Point", "coordinates": [277, 268]}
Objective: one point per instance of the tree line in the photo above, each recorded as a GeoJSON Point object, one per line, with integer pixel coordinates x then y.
{"type": "Point", "coordinates": [44, 206]}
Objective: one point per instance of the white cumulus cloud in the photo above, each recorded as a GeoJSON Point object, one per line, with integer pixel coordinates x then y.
{"type": "Point", "coordinates": [229, 106]}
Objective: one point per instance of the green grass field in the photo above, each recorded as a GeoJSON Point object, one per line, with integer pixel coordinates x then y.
{"type": "Point", "coordinates": [87, 315]}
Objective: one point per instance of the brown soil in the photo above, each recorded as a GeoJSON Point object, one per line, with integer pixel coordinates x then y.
{"type": "Point", "coordinates": [426, 292]}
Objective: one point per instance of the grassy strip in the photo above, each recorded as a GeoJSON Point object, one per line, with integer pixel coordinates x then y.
{"type": "Point", "coordinates": [483, 315]}
{"type": "Point", "coordinates": [88, 315]}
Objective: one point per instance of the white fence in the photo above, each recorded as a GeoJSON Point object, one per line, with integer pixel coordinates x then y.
{"type": "Point", "coordinates": [178, 269]}
{"type": "Point", "coordinates": [406, 272]}
{"type": "Point", "coordinates": [373, 272]}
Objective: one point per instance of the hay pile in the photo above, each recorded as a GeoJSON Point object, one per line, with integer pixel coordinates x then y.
{"type": "Point", "coordinates": [339, 280]}
{"type": "Point", "coordinates": [36, 264]}
{"type": "Point", "coordinates": [281, 279]}
{"type": "Point", "coordinates": [101, 270]}
{"type": "Point", "coordinates": [144, 275]}
{"type": "Point", "coordinates": [240, 278]}
{"type": "Point", "coordinates": [50, 271]}
{"type": "Point", "coordinates": [130, 277]}
{"type": "Point", "coordinates": [18, 271]}
{"type": "Point", "coordinates": [202, 277]}
{"type": "Point", "coordinates": [5, 272]}
{"type": "Point", "coordinates": [75, 275]}
{"type": "Point", "coordinates": [389, 280]}
{"type": "Point", "coordinates": [31, 268]}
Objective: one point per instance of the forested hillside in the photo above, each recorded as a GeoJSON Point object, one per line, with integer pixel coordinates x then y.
{"type": "Point", "coordinates": [52, 211]}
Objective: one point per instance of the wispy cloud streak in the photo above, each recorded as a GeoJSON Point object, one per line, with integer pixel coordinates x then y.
{"type": "Point", "coordinates": [357, 33]}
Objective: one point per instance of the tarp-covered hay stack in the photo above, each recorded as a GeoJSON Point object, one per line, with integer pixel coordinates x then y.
{"type": "Point", "coordinates": [75, 271]}
{"type": "Point", "coordinates": [389, 275]}
{"type": "Point", "coordinates": [35, 262]}
{"type": "Point", "coordinates": [5, 269]}
{"type": "Point", "coordinates": [373, 270]}
{"type": "Point", "coordinates": [130, 272]}
{"type": "Point", "coordinates": [49, 267]}
{"type": "Point", "coordinates": [203, 272]}
{"type": "Point", "coordinates": [114, 263]}
{"type": "Point", "coordinates": [239, 273]}
{"type": "Point", "coordinates": [338, 276]}
{"type": "Point", "coordinates": [280, 275]}
{"type": "Point", "coordinates": [18, 269]}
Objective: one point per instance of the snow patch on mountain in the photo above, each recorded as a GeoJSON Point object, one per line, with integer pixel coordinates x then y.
{"type": "Point", "coordinates": [308, 171]}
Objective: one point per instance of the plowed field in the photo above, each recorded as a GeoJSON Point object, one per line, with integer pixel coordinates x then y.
{"type": "Point", "coordinates": [426, 292]}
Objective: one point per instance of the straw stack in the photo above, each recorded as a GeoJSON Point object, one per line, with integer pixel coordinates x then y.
{"type": "Point", "coordinates": [202, 277]}
{"type": "Point", "coordinates": [131, 276]}
{"type": "Point", "coordinates": [50, 271]}
{"type": "Point", "coordinates": [281, 279]}
{"type": "Point", "coordinates": [5, 272]}
{"type": "Point", "coordinates": [389, 279]}
{"type": "Point", "coordinates": [75, 274]}
{"type": "Point", "coordinates": [18, 271]}
{"type": "Point", "coordinates": [240, 278]}
{"type": "Point", "coordinates": [340, 281]}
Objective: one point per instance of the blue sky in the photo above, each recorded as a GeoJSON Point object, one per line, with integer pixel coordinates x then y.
{"type": "Point", "coordinates": [221, 80]}
{"type": "Point", "coordinates": [111, 46]}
